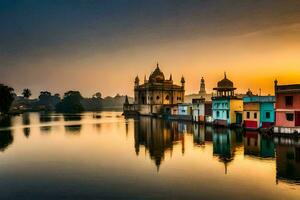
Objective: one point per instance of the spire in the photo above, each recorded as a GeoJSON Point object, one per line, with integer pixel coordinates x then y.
{"type": "Point", "coordinates": [137, 80]}
{"type": "Point", "coordinates": [170, 77]}
{"type": "Point", "coordinates": [202, 86]}
{"type": "Point", "coordinates": [182, 79]}
{"type": "Point", "coordinates": [145, 79]}
{"type": "Point", "coordinates": [157, 65]}
{"type": "Point", "coordinates": [225, 75]}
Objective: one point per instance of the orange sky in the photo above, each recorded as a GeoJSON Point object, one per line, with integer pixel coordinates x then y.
{"type": "Point", "coordinates": [252, 43]}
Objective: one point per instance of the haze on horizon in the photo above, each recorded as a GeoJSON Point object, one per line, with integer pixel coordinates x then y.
{"type": "Point", "coordinates": [95, 46]}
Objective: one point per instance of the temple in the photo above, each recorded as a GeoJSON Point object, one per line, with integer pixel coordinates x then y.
{"type": "Point", "coordinates": [155, 95]}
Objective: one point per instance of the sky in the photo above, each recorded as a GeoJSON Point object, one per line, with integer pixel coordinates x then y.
{"type": "Point", "coordinates": [91, 46]}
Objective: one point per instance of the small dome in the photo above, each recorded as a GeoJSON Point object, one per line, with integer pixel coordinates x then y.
{"type": "Point", "coordinates": [157, 75]}
{"type": "Point", "coordinates": [249, 93]}
{"type": "Point", "coordinates": [182, 80]}
{"type": "Point", "coordinates": [225, 83]}
{"type": "Point", "coordinates": [136, 79]}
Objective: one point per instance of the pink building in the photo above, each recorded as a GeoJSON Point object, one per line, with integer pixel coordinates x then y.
{"type": "Point", "coordinates": [287, 108]}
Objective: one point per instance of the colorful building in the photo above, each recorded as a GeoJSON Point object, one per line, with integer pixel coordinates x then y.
{"type": "Point", "coordinates": [258, 112]}
{"type": "Point", "coordinates": [287, 108]}
{"type": "Point", "coordinates": [184, 109]}
{"type": "Point", "coordinates": [227, 108]}
{"type": "Point", "coordinates": [202, 111]}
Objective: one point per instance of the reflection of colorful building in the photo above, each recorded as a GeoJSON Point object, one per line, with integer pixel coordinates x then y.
{"type": "Point", "coordinates": [199, 134]}
{"type": "Point", "coordinates": [257, 145]}
{"type": "Point", "coordinates": [224, 143]}
{"type": "Point", "coordinates": [258, 112]}
{"type": "Point", "coordinates": [227, 108]}
{"type": "Point", "coordinates": [288, 163]}
{"type": "Point", "coordinates": [287, 108]}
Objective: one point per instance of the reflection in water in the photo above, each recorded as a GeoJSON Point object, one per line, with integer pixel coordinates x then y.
{"type": "Point", "coordinates": [45, 118]}
{"type": "Point", "coordinates": [288, 160]}
{"type": "Point", "coordinates": [45, 129]}
{"type": "Point", "coordinates": [258, 145]}
{"type": "Point", "coordinates": [26, 131]}
{"type": "Point", "coordinates": [184, 149]}
{"type": "Point", "coordinates": [72, 117]}
{"type": "Point", "coordinates": [6, 139]}
{"type": "Point", "coordinates": [225, 142]}
{"type": "Point", "coordinates": [5, 122]}
{"type": "Point", "coordinates": [74, 129]}
{"type": "Point", "coordinates": [25, 119]}
{"type": "Point", "coordinates": [158, 137]}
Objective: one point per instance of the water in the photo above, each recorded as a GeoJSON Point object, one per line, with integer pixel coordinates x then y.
{"type": "Point", "coordinates": [104, 156]}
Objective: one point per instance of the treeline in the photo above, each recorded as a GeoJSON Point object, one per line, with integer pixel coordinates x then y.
{"type": "Point", "coordinates": [70, 102]}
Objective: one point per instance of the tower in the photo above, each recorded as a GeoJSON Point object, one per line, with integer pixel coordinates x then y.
{"type": "Point", "coordinates": [202, 87]}
{"type": "Point", "coordinates": [136, 81]}
{"type": "Point", "coordinates": [182, 81]}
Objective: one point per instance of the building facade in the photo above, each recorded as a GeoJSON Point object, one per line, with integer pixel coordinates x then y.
{"type": "Point", "coordinates": [258, 112]}
{"type": "Point", "coordinates": [202, 112]}
{"type": "Point", "coordinates": [227, 108]}
{"type": "Point", "coordinates": [156, 95]}
{"type": "Point", "coordinates": [287, 108]}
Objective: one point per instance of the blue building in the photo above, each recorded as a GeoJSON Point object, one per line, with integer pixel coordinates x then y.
{"type": "Point", "coordinates": [227, 108]}
{"type": "Point", "coordinates": [259, 111]}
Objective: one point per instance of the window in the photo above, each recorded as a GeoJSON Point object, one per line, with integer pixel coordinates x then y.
{"type": "Point", "coordinates": [288, 100]}
{"type": "Point", "coordinates": [255, 115]}
{"type": "Point", "coordinates": [157, 97]}
{"type": "Point", "coordinates": [167, 97]}
{"type": "Point", "coordinates": [227, 114]}
{"type": "Point", "coordinates": [218, 114]}
{"type": "Point", "coordinates": [268, 115]}
{"type": "Point", "coordinates": [248, 115]}
{"type": "Point", "coordinates": [289, 116]}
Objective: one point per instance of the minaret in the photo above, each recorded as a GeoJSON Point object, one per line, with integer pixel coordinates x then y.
{"type": "Point", "coordinates": [202, 86]}
{"type": "Point", "coordinates": [182, 81]}
{"type": "Point", "coordinates": [136, 81]}
{"type": "Point", "coordinates": [275, 86]}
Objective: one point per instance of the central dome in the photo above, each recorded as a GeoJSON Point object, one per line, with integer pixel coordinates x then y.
{"type": "Point", "coordinates": [225, 83]}
{"type": "Point", "coordinates": [157, 75]}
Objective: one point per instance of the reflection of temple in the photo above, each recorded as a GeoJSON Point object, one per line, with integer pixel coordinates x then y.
{"type": "Point", "coordinates": [157, 136]}
{"type": "Point", "coordinates": [224, 145]}
{"type": "Point", "coordinates": [257, 145]}
{"type": "Point", "coordinates": [288, 163]}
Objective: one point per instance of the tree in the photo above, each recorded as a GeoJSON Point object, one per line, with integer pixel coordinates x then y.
{"type": "Point", "coordinates": [26, 93]}
{"type": "Point", "coordinates": [98, 95]}
{"type": "Point", "coordinates": [71, 103]}
{"type": "Point", "coordinates": [48, 100]}
{"type": "Point", "coordinates": [6, 98]}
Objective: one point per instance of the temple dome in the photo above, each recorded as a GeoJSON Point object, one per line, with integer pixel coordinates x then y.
{"type": "Point", "coordinates": [157, 75]}
{"type": "Point", "coordinates": [225, 83]}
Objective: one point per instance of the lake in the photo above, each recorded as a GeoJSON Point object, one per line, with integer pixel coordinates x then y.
{"type": "Point", "coordinates": [105, 156]}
